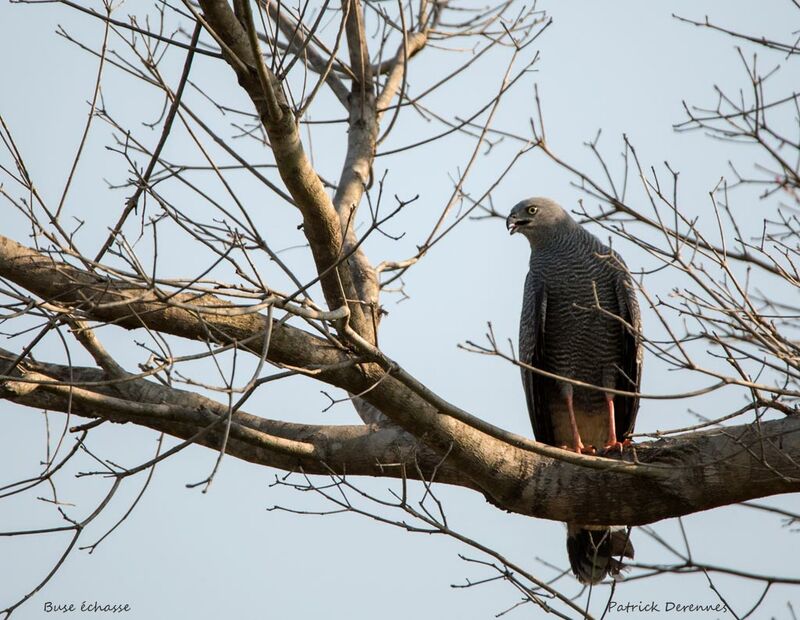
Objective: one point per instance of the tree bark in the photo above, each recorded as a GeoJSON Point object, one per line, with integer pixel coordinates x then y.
{"type": "Point", "coordinates": [672, 477]}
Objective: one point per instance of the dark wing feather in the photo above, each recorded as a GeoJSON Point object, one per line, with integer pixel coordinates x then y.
{"type": "Point", "coordinates": [532, 335]}
{"type": "Point", "coordinates": [625, 407]}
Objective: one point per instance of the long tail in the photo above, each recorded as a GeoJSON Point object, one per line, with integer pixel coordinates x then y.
{"type": "Point", "coordinates": [597, 552]}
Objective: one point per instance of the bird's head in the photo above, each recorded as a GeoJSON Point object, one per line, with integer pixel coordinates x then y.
{"type": "Point", "coordinates": [537, 218]}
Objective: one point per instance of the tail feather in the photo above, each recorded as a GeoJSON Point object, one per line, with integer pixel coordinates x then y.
{"type": "Point", "coordinates": [596, 553]}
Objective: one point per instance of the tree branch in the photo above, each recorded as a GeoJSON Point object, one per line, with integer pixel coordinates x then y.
{"type": "Point", "coordinates": [320, 221]}
{"type": "Point", "coordinates": [672, 477]}
{"type": "Point", "coordinates": [353, 449]}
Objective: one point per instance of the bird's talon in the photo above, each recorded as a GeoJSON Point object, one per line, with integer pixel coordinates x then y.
{"type": "Point", "coordinates": [611, 446]}
{"type": "Point", "coordinates": [590, 349]}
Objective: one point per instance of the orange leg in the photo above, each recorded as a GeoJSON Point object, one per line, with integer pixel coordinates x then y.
{"type": "Point", "coordinates": [613, 443]}
{"type": "Point", "coordinates": [577, 444]}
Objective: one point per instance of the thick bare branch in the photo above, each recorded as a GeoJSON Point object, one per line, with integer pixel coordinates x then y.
{"type": "Point", "coordinates": [676, 476]}
{"type": "Point", "coordinates": [320, 221]}
{"type": "Point", "coordinates": [357, 450]}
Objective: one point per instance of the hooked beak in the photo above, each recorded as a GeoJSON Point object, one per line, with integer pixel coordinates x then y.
{"type": "Point", "coordinates": [513, 224]}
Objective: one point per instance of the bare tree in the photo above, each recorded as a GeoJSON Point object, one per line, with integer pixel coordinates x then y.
{"type": "Point", "coordinates": [321, 83]}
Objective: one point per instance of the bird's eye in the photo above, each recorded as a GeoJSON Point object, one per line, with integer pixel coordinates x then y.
{"type": "Point", "coordinates": [532, 210]}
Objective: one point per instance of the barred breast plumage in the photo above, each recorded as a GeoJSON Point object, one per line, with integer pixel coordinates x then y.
{"type": "Point", "coordinates": [579, 321]}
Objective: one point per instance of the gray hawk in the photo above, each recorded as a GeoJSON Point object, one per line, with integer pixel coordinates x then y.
{"type": "Point", "coordinates": [580, 321]}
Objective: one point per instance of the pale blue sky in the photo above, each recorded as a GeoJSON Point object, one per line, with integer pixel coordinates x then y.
{"type": "Point", "coordinates": [619, 66]}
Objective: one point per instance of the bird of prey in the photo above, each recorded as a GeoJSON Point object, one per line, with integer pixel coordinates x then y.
{"type": "Point", "coordinates": [580, 321]}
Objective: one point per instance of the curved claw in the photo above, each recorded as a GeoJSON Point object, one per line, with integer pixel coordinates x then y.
{"type": "Point", "coordinates": [611, 446]}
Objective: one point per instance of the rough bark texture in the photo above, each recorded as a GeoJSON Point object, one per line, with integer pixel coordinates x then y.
{"type": "Point", "coordinates": [314, 449]}
{"type": "Point", "coordinates": [321, 223]}
{"type": "Point", "coordinates": [676, 476]}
